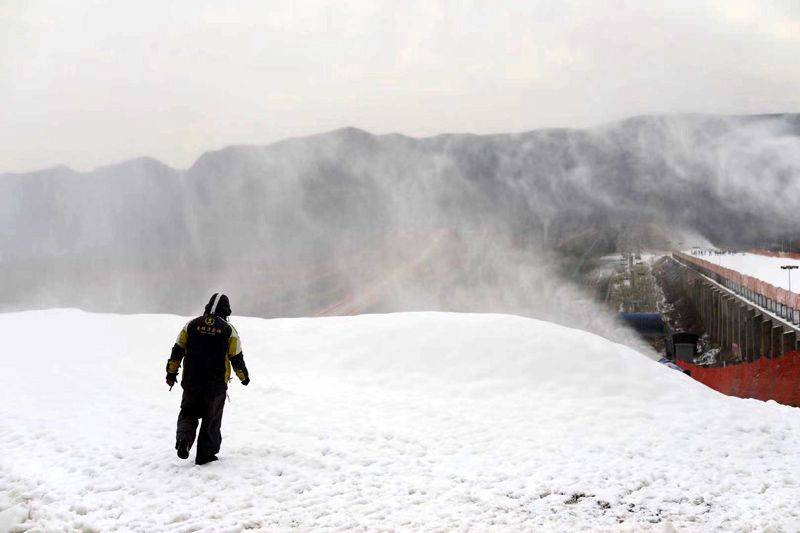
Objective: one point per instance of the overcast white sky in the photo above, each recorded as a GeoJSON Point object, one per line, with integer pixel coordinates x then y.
{"type": "Point", "coordinates": [87, 83]}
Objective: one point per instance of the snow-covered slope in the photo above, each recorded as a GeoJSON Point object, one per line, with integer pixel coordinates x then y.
{"type": "Point", "coordinates": [416, 421]}
{"type": "Point", "coordinates": [761, 267]}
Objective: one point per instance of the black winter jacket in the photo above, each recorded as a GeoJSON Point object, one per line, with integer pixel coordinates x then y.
{"type": "Point", "coordinates": [209, 347]}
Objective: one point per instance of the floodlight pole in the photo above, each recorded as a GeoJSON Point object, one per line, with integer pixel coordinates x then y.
{"type": "Point", "coordinates": [788, 269]}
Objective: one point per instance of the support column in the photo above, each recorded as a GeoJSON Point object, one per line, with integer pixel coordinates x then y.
{"type": "Point", "coordinates": [701, 292]}
{"type": "Point", "coordinates": [788, 342]}
{"type": "Point", "coordinates": [699, 295]}
{"type": "Point", "coordinates": [766, 338]}
{"type": "Point", "coordinates": [718, 315]}
{"type": "Point", "coordinates": [714, 317]}
{"type": "Point", "coordinates": [755, 329]}
{"type": "Point", "coordinates": [744, 333]}
{"type": "Point", "coordinates": [777, 340]}
{"type": "Point", "coordinates": [710, 312]}
{"type": "Point", "coordinates": [723, 322]}
{"type": "Point", "coordinates": [733, 308]}
{"type": "Point", "coordinates": [737, 328]}
{"type": "Point", "coordinates": [727, 324]}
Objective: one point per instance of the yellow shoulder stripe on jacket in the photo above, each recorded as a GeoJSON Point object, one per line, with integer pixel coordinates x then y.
{"type": "Point", "coordinates": [183, 336]}
{"type": "Point", "coordinates": [234, 344]}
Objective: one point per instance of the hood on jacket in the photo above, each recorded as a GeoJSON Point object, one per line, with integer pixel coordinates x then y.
{"type": "Point", "coordinates": [218, 305]}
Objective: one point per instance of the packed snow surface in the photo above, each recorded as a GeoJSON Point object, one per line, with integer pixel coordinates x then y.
{"type": "Point", "coordinates": [763, 267]}
{"type": "Point", "coordinates": [418, 421]}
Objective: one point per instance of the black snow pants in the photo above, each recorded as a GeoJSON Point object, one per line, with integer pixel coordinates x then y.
{"type": "Point", "coordinates": [205, 405]}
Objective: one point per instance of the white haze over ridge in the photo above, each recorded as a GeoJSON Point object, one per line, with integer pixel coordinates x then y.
{"type": "Point", "coordinates": [348, 222]}
{"type": "Point", "coordinates": [91, 83]}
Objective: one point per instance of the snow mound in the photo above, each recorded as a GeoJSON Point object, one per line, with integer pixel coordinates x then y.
{"type": "Point", "coordinates": [468, 350]}
{"type": "Point", "coordinates": [414, 421]}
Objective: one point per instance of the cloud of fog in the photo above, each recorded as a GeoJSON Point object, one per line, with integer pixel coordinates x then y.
{"type": "Point", "coordinates": [760, 164]}
{"type": "Point", "coordinates": [348, 222]}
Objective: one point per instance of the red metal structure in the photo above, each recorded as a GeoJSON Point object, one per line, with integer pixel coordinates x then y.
{"type": "Point", "coordinates": [763, 379]}
{"type": "Point", "coordinates": [757, 316]}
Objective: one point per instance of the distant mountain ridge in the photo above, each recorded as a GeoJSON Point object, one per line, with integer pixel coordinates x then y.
{"type": "Point", "coordinates": [296, 215]}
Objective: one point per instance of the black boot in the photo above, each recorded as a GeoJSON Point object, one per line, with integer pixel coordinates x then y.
{"type": "Point", "coordinates": [205, 459]}
{"type": "Point", "coordinates": [183, 449]}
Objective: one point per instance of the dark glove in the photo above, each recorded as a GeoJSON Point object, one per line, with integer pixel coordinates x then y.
{"type": "Point", "coordinates": [246, 381]}
{"type": "Point", "coordinates": [171, 378]}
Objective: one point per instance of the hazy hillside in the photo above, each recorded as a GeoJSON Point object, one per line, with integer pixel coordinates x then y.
{"type": "Point", "coordinates": [348, 221]}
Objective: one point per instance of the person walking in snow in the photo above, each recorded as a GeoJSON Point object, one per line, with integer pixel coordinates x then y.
{"type": "Point", "coordinates": [209, 347]}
